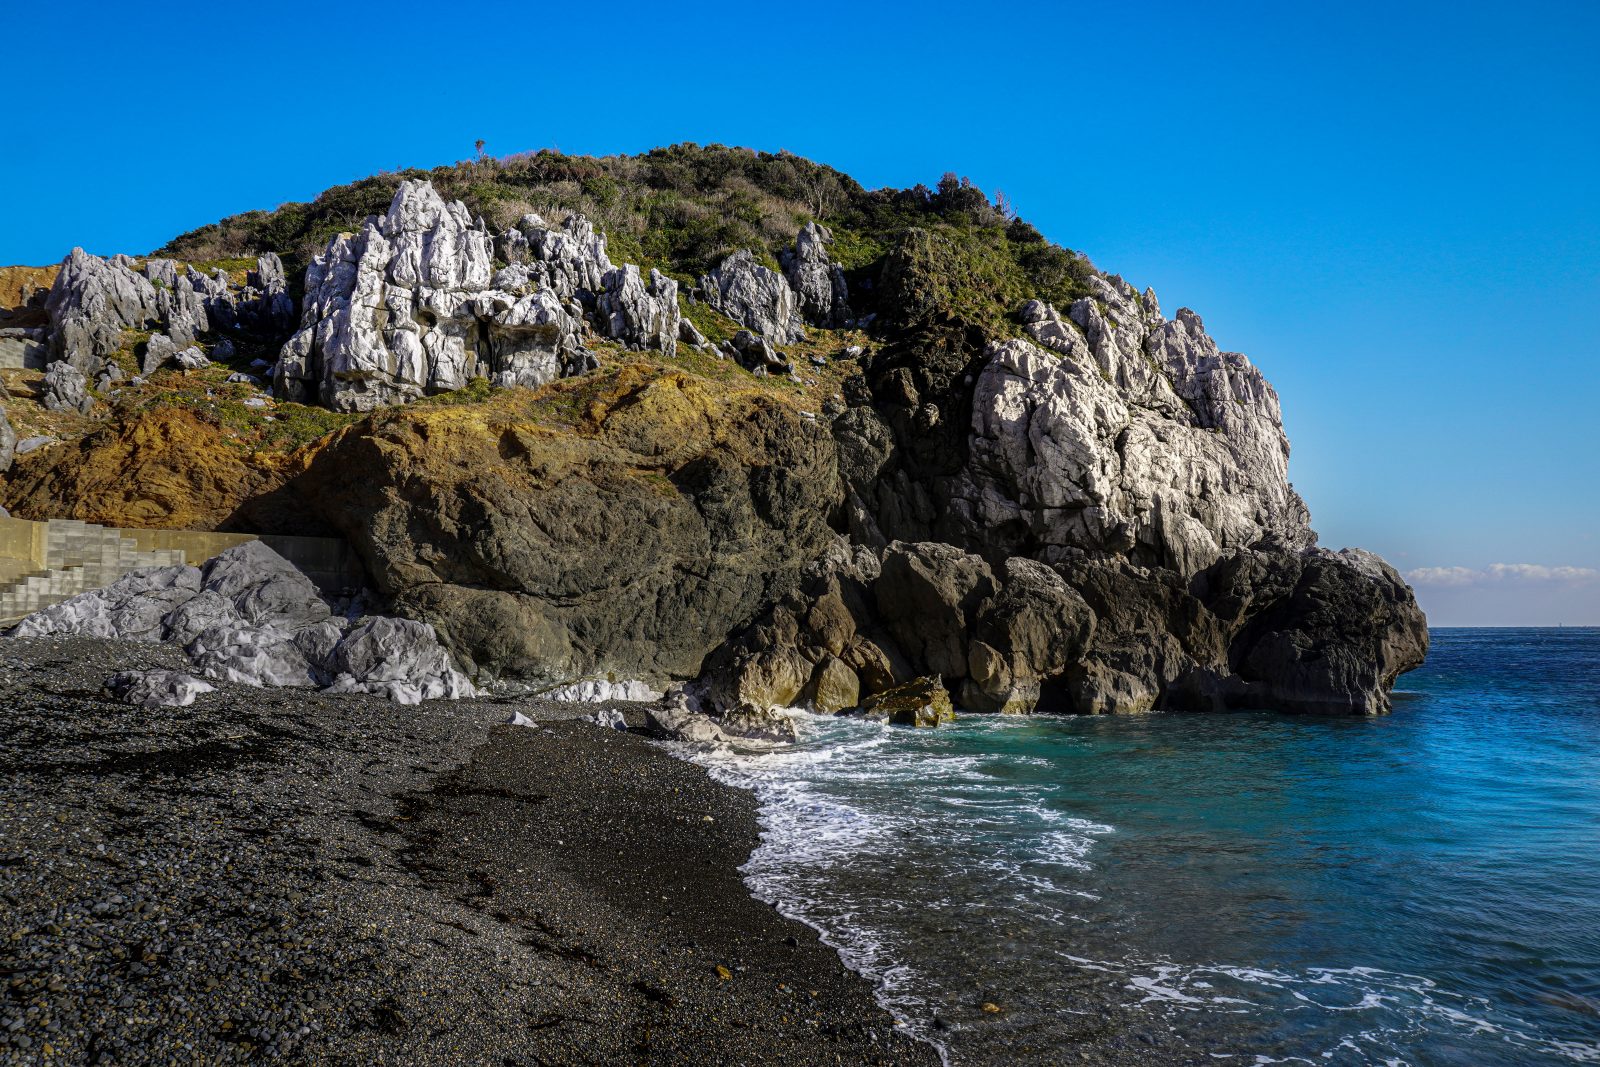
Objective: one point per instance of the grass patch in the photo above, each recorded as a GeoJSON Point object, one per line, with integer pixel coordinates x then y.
{"type": "Point", "coordinates": [716, 326]}
{"type": "Point", "coordinates": [476, 391]}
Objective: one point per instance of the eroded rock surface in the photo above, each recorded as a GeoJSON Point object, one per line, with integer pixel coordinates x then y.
{"type": "Point", "coordinates": [8, 438]}
{"type": "Point", "coordinates": [628, 544]}
{"type": "Point", "coordinates": [250, 617]}
{"type": "Point", "coordinates": [413, 304]}
{"type": "Point", "coordinates": [1112, 530]}
{"type": "Point", "coordinates": [755, 296]}
{"type": "Point", "coordinates": [156, 689]}
{"type": "Point", "coordinates": [818, 282]}
{"type": "Point", "coordinates": [66, 389]}
{"type": "Point", "coordinates": [94, 301]}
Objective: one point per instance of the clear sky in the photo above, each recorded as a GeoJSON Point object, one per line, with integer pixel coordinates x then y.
{"type": "Point", "coordinates": [1393, 208]}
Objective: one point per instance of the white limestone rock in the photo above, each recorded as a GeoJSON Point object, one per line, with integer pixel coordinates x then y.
{"type": "Point", "coordinates": [133, 608]}
{"type": "Point", "coordinates": [690, 334]}
{"type": "Point", "coordinates": [37, 441]}
{"type": "Point", "coordinates": [264, 588]}
{"type": "Point", "coordinates": [755, 296]}
{"type": "Point", "coordinates": [1047, 328]}
{"type": "Point", "coordinates": [609, 719]}
{"type": "Point", "coordinates": [1078, 462]}
{"type": "Point", "coordinates": [639, 315]}
{"type": "Point", "coordinates": [676, 723]}
{"type": "Point", "coordinates": [250, 618]}
{"type": "Point", "coordinates": [158, 351]}
{"type": "Point", "coordinates": [397, 658]}
{"type": "Point", "coordinates": [66, 389]}
{"type": "Point", "coordinates": [600, 691]}
{"type": "Point", "coordinates": [412, 305]}
{"type": "Point", "coordinates": [205, 609]}
{"type": "Point", "coordinates": [537, 340]}
{"type": "Point", "coordinates": [8, 441]}
{"type": "Point", "coordinates": [569, 260]}
{"type": "Point", "coordinates": [817, 281]}
{"type": "Point", "coordinates": [156, 689]}
{"type": "Point", "coordinates": [256, 656]}
{"type": "Point", "coordinates": [192, 358]}
{"type": "Point", "coordinates": [92, 301]}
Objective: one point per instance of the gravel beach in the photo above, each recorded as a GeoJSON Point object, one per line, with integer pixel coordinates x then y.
{"type": "Point", "coordinates": [279, 875]}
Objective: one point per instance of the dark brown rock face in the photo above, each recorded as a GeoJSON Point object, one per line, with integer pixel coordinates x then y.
{"type": "Point", "coordinates": [1293, 630]}
{"type": "Point", "coordinates": [1331, 631]}
{"type": "Point", "coordinates": [668, 513]}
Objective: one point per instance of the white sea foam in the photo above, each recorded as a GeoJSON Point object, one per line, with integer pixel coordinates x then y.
{"type": "Point", "coordinates": [884, 840]}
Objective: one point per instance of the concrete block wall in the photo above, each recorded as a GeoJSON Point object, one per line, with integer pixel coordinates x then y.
{"type": "Point", "coordinates": [43, 563]}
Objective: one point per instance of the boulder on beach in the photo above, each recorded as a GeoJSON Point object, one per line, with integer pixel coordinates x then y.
{"type": "Point", "coordinates": [249, 617]}
{"type": "Point", "coordinates": [156, 689]}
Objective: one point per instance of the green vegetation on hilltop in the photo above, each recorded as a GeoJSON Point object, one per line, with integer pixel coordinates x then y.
{"type": "Point", "coordinates": [681, 209]}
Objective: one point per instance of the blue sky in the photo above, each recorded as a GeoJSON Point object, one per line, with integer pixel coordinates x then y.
{"type": "Point", "coordinates": [1393, 208]}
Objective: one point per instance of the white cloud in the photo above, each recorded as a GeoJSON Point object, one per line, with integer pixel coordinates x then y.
{"type": "Point", "coordinates": [1502, 572]}
{"type": "Point", "coordinates": [1443, 576]}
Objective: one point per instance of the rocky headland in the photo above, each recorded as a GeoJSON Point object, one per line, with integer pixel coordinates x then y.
{"type": "Point", "coordinates": [801, 455]}
{"type": "Point", "coordinates": [718, 432]}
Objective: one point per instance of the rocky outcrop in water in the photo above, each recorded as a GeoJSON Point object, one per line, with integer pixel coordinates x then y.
{"type": "Point", "coordinates": [250, 617]}
{"type": "Point", "coordinates": [919, 702]}
{"type": "Point", "coordinates": [1108, 527]}
{"type": "Point", "coordinates": [1292, 629]}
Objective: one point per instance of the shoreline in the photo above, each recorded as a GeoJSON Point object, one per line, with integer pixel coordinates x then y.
{"type": "Point", "coordinates": [279, 874]}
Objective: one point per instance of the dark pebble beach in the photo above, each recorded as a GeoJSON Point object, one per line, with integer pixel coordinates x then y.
{"type": "Point", "coordinates": [279, 875]}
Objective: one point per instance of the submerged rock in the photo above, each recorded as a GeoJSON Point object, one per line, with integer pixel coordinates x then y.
{"type": "Point", "coordinates": [921, 702]}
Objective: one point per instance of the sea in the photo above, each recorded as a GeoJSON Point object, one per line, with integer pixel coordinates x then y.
{"type": "Point", "coordinates": [1246, 888]}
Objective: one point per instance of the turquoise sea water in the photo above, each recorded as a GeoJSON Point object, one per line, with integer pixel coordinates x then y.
{"type": "Point", "coordinates": [1249, 888]}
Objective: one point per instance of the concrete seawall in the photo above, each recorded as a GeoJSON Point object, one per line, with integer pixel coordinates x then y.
{"type": "Point", "coordinates": [328, 561]}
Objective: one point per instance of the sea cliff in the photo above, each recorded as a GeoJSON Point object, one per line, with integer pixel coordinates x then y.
{"type": "Point", "coordinates": [717, 418]}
